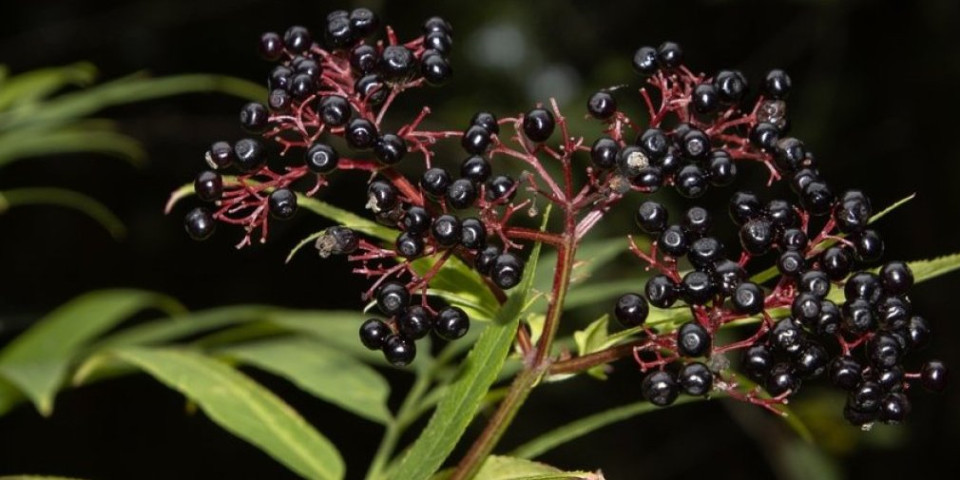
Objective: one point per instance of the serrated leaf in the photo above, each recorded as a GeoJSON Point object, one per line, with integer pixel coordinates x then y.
{"type": "Point", "coordinates": [38, 360]}
{"type": "Point", "coordinates": [465, 394]}
{"type": "Point", "coordinates": [497, 467]}
{"type": "Point", "coordinates": [242, 407]}
{"type": "Point", "coordinates": [324, 372]}
{"type": "Point", "coordinates": [924, 270]}
{"type": "Point", "coordinates": [35, 85]}
{"type": "Point", "coordinates": [64, 198]}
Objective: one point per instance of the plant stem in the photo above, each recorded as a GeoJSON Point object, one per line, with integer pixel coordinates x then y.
{"type": "Point", "coordinates": [396, 426]}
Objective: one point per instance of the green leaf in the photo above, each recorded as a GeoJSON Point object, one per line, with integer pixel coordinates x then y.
{"type": "Point", "coordinates": [18, 144]}
{"type": "Point", "coordinates": [183, 325]}
{"type": "Point", "coordinates": [10, 396]}
{"type": "Point", "coordinates": [38, 360]}
{"type": "Point", "coordinates": [592, 339]}
{"type": "Point", "coordinates": [64, 198]}
{"type": "Point", "coordinates": [465, 394]}
{"type": "Point", "coordinates": [242, 407]}
{"type": "Point", "coordinates": [593, 293]}
{"type": "Point", "coordinates": [924, 270]}
{"type": "Point", "coordinates": [337, 329]}
{"type": "Point", "coordinates": [590, 257]}
{"type": "Point", "coordinates": [461, 285]}
{"type": "Point", "coordinates": [321, 371]}
{"type": "Point", "coordinates": [125, 91]}
{"type": "Point", "coordinates": [35, 85]}
{"type": "Point", "coordinates": [497, 467]}
{"type": "Point", "coordinates": [578, 428]}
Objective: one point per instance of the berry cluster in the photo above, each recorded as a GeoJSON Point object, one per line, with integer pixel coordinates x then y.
{"type": "Point", "coordinates": [702, 129]}
{"type": "Point", "coordinates": [859, 340]}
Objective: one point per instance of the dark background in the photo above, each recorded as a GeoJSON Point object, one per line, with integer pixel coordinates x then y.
{"type": "Point", "coordinates": [876, 96]}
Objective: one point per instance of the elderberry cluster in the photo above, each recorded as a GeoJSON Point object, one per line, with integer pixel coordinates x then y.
{"type": "Point", "coordinates": [859, 340]}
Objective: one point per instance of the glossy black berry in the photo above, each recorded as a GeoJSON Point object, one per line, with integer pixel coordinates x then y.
{"type": "Point", "coordinates": [661, 291]}
{"type": "Point", "coordinates": [894, 408]}
{"type": "Point", "coordinates": [307, 66]}
{"type": "Point", "coordinates": [439, 42]}
{"type": "Point", "coordinates": [485, 259]}
{"type": "Point", "coordinates": [297, 39]}
{"type": "Point", "coordinates": [695, 144]}
{"type": "Point", "coordinates": [757, 236]}
{"type": "Point", "coordinates": [811, 361]}
{"type": "Point", "coordinates": [631, 160]}
{"type": "Point", "coordinates": [446, 230]}
{"type": "Point", "coordinates": [728, 275]}
{"type": "Point", "coordinates": [730, 85]}
{"type": "Point", "coordinates": [364, 58]}
{"type": "Point", "coordinates": [280, 77]}
{"type": "Point", "coordinates": [254, 117]}
{"type": "Point", "coordinates": [631, 310]}
{"type": "Point", "coordinates": [476, 169]}
{"type": "Point", "coordinates": [748, 298]}
{"type": "Point", "coordinates": [363, 21]}
{"type": "Point", "coordinates": [538, 124]}
{"type": "Point", "coordinates": [500, 186]}
{"type": "Point", "coordinates": [670, 162]}
{"type": "Point", "coordinates": [782, 214]}
{"type": "Point", "coordinates": [279, 100]}
{"type": "Point", "coordinates": [805, 308]}
{"type": "Point", "coordinates": [652, 217]}
{"type": "Point", "coordinates": [803, 177]}
{"type": "Point", "coordinates": [648, 179]}
{"type": "Point", "coordinates": [415, 322]}
{"type": "Point", "coordinates": [789, 154]}
{"type": "Point", "coordinates": [372, 89]}
{"type": "Point", "coordinates": [382, 196]}
{"type": "Point", "coordinates": [670, 55]}
{"type": "Point", "coordinates": [705, 98]}
{"type": "Point", "coordinates": [793, 239]}
{"type": "Point", "coordinates": [473, 234]}
{"type": "Point", "coordinates": [791, 263]}
{"type": "Point", "coordinates": [436, 70]}
{"type": "Point", "coordinates": [282, 204]}
{"type": "Point", "coordinates": [399, 350]}
{"type": "Point", "coordinates": [918, 330]}
{"type": "Point", "coordinates": [604, 152]}
{"type": "Point", "coordinates": [389, 148]}
{"type": "Point", "coordinates": [602, 105]}
{"type": "Point", "coordinates": [845, 372]}
{"type": "Point", "coordinates": [645, 61]}
{"type": "Point", "coordinates": [693, 340]}
{"type": "Point", "coordinates": [249, 155]}
{"type": "Point", "coordinates": [507, 270]}
{"type": "Point", "coordinates": [435, 182]}
{"type": "Point", "coordinates": [409, 245]}
{"type": "Point", "coordinates": [744, 206]}
{"type": "Point", "coordinates": [220, 155]}
{"type": "Point", "coordinates": [271, 46]}
{"type": "Point", "coordinates": [475, 140]}
{"type": "Point", "coordinates": [397, 63]}
{"type": "Point", "coordinates": [416, 220]}
{"type": "Point", "coordinates": [869, 246]}
{"type": "Point", "coordinates": [883, 351]}
{"type": "Point", "coordinates": [896, 278]}
{"type": "Point", "coordinates": [757, 361]}
{"type": "Point", "coordinates": [815, 282]}
{"type": "Point", "coordinates": [461, 193]}
{"type": "Point", "coordinates": [893, 311]}
{"type": "Point", "coordinates": [392, 298]}
{"type": "Point", "coordinates": [654, 143]}
{"type": "Point", "coordinates": [777, 84]}
{"type": "Point", "coordinates": [933, 376]}
{"type": "Point", "coordinates": [673, 241]}
{"type": "Point", "coordinates": [437, 24]}
{"type": "Point", "coordinates": [659, 388]}
{"type": "Point", "coordinates": [339, 33]}
{"type": "Point", "coordinates": [361, 134]}
{"type": "Point", "coordinates": [863, 285]}
{"type": "Point", "coordinates": [721, 168]}
{"type": "Point", "coordinates": [782, 379]}
{"type": "Point", "coordinates": [866, 397]}
{"type": "Point", "coordinates": [765, 135]}
{"type": "Point", "coordinates": [695, 379]}
{"type": "Point", "coordinates": [697, 288]}
{"type": "Point", "coordinates": [451, 323]}
{"type": "Point", "coordinates": [486, 120]}
{"type": "Point", "coordinates": [858, 316]}
{"type": "Point", "coordinates": [889, 379]}
{"type": "Point", "coordinates": [208, 185]}
{"type": "Point", "coordinates": [830, 319]}
{"type": "Point", "coordinates": [853, 214]}
{"type": "Point", "coordinates": [691, 181]}
{"type": "Point", "coordinates": [301, 86]}
{"type": "Point", "coordinates": [322, 158]}
{"type": "Point", "coordinates": [373, 333]}
{"type": "Point", "coordinates": [199, 224]}
{"type": "Point", "coordinates": [836, 261]}
{"type": "Point", "coordinates": [705, 252]}
{"type": "Point", "coordinates": [335, 110]}
{"type": "Point", "coordinates": [787, 336]}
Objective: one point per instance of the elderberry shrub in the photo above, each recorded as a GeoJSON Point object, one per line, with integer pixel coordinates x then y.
{"type": "Point", "coordinates": [821, 310]}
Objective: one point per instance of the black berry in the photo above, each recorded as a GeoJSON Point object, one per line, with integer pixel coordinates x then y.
{"type": "Point", "coordinates": [199, 224]}
{"type": "Point", "coordinates": [631, 310]}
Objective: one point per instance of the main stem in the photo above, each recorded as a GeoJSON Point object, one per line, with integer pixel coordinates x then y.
{"type": "Point", "coordinates": [534, 369]}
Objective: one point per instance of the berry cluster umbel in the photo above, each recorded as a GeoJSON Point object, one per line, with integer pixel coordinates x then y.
{"type": "Point", "coordinates": [702, 130]}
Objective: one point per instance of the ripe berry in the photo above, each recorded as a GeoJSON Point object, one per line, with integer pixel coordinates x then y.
{"type": "Point", "coordinates": [361, 134]}
{"type": "Point", "coordinates": [208, 185]}
{"type": "Point", "coordinates": [437, 24]}
{"type": "Point", "coordinates": [382, 196]}
{"type": "Point", "coordinates": [372, 89]}
{"type": "Point", "coordinates": [670, 55]}
{"type": "Point", "coordinates": [691, 181]}
{"type": "Point", "coordinates": [436, 70]}
{"type": "Point", "coordinates": [652, 217]}
{"type": "Point", "coordinates": [815, 282]}
{"type": "Point", "coordinates": [339, 33]}
{"type": "Point", "coordinates": [254, 117]}
{"type": "Point", "coordinates": [695, 144]}
{"type": "Point", "coordinates": [894, 407]}
{"type": "Point", "coordinates": [297, 39]}
{"type": "Point", "coordinates": [730, 85]}
{"type": "Point", "coordinates": [782, 214]}
{"type": "Point", "coordinates": [438, 41]}
{"type": "Point", "coordinates": [602, 105]}
{"type": "Point", "coordinates": [363, 21]}
{"type": "Point", "coordinates": [722, 169]}
{"type": "Point", "coordinates": [705, 98]}
{"type": "Point", "coordinates": [757, 361]}
{"type": "Point", "coordinates": [486, 120]}
{"type": "Point", "coordinates": [670, 162]}
{"type": "Point", "coordinates": [301, 86]}
{"type": "Point", "coordinates": [693, 340]}
{"type": "Point", "coordinates": [883, 351]}
{"type": "Point", "coordinates": [791, 263]}
{"type": "Point", "coordinates": [364, 58]}
{"type": "Point", "coordinates": [866, 397]}
{"type": "Point", "coordinates": [485, 259]}
{"type": "Point", "coordinates": [765, 135]}
{"type": "Point", "coordinates": [249, 155]}
{"type": "Point", "coordinates": [845, 372]}
{"type": "Point", "coordinates": [538, 124]}
{"type": "Point", "coordinates": [475, 140]}
{"type": "Point", "coordinates": [499, 187]}
{"type": "Point", "coordinates": [757, 235]}
{"type": "Point", "coordinates": [748, 298]}
{"type": "Point", "coordinates": [697, 288]}
{"type": "Point", "coordinates": [648, 179]}
{"type": "Point", "coordinates": [705, 252]}
{"type": "Point", "coordinates": [199, 224]}
{"type": "Point", "coordinates": [279, 100]}
{"type": "Point", "coordinates": [507, 270]}
{"type": "Point", "coordinates": [409, 245]}
{"type": "Point", "coordinates": [869, 246]}
{"type": "Point", "coordinates": [673, 241]}
{"type": "Point", "coordinates": [659, 388]}
{"type": "Point", "coordinates": [695, 379]}
{"type": "Point", "coordinates": [793, 239]}
{"type": "Point", "coordinates": [280, 78]}
{"type": "Point", "coordinates": [335, 110]}
{"type": "Point", "coordinates": [271, 46]}
{"type": "Point", "coordinates": [918, 331]}
{"type": "Point", "coordinates": [389, 149]}
{"type": "Point", "coordinates": [282, 204]}
{"type": "Point", "coordinates": [416, 220]}
{"type": "Point", "coordinates": [836, 261]}
{"type": "Point", "coordinates": [461, 193]}
{"type": "Point", "coordinates": [777, 84]}
{"type": "Point", "coordinates": [645, 61]}
{"type": "Point", "coordinates": [695, 221]}
{"type": "Point", "coordinates": [631, 160]}
{"type": "Point", "coordinates": [473, 234]}
{"type": "Point", "coordinates": [891, 379]}
{"type": "Point", "coordinates": [933, 376]}
{"type": "Point", "coordinates": [782, 379]}
{"type": "Point", "coordinates": [789, 154]}
{"type": "Point", "coordinates": [728, 275]}
{"type": "Point", "coordinates": [631, 310]}
{"type": "Point", "coordinates": [858, 316]}
{"type": "Point", "coordinates": [744, 206]}
{"type": "Point", "coordinates": [322, 158]}
{"type": "Point", "coordinates": [787, 336]}
{"type": "Point", "coordinates": [805, 308]}
{"type": "Point", "coordinates": [446, 230]}
{"type": "Point", "coordinates": [392, 298]}
{"type": "Point", "coordinates": [852, 213]}
{"type": "Point", "coordinates": [475, 168]}
{"type": "Point", "coordinates": [802, 178]}
{"type": "Point", "coordinates": [397, 63]}
{"type": "Point", "coordinates": [415, 322]}
{"type": "Point", "coordinates": [858, 417]}
{"type": "Point", "coordinates": [811, 361]}
{"type": "Point", "coordinates": [451, 323]}
{"type": "Point", "coordinates": [896, 278]}
{"type": "Point", "coordinates": [865, 285]}
{"type": "Point", "coordinates": [661, 291]}
{"type": "Point", "coordinates": [220, 155]}
{"type": "Point", "coordinates": [435, 182]}
{"type": "Point", "coordinates": [373, 333]}
{"type": "Point", "coordinates": [830, 319]}
{"type": "Point", "coordinates": [893, 312]}
{"type": "Point", "coordinates": [653, 142]}
{"type": "Point", "coordinates": [308, 66]}
{"type": "Point", "coordinates": [399, 350]}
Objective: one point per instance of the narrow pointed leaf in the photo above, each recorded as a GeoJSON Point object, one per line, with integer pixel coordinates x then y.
{"type": "Point", "coordinates": [35, 85]}
{"type": "Point", "coordinates": [64, 198]}
{"type": "Point", "coordinates": [498, 467]}
{"type": "Point", "coordinates": [17, 145]}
